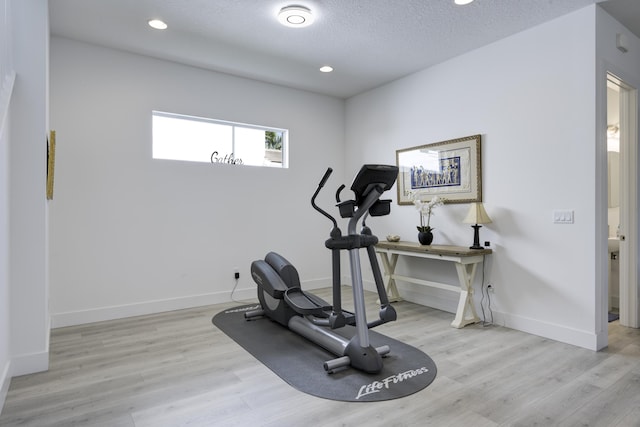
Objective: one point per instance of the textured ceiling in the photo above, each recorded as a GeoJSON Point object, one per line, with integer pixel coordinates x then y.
{"type": "Point", "coordinates": [368, 43]}
{"type": "Point", "coordinates": [627, 12]}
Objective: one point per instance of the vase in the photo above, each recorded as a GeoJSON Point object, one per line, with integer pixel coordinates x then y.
{"type": "Point", "coordinates": [425, 237]}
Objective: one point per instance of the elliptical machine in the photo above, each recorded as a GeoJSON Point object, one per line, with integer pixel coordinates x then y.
{"type": "Point", "coordinates": [283, 300]}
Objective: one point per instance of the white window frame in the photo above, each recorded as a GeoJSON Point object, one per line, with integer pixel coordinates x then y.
{"type": "Point", "coordinates": [227, 157]}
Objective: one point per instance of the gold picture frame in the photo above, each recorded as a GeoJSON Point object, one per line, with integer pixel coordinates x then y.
{"type": "Point", "coordinates": [448, 169]}
{"type": "Point", "coordinates": [51, 161]}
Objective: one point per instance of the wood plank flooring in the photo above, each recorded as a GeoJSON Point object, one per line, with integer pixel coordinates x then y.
{"type": "Point", "coordinates": [177, 369]}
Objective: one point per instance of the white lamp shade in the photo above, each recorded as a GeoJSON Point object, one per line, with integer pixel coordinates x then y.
{"type": "Point", "coordinates": [477, 215]}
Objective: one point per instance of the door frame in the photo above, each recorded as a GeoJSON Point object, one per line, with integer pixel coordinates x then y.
{"type": "Point", "coordinates": [629, 227]}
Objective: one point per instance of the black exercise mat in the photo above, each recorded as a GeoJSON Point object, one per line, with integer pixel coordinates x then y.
{"type": "Point", "coordinates": [300, 363]}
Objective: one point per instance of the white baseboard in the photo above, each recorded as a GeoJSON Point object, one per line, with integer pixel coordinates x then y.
{"type": "Point", "coordinates": [317, 283]}
{"type": "Point", "coordinates": [29, 363]}
{"type": "Point", "coordinates": [549, 330]}
{"type": "Point", "coordinates": [100, 314]}
{"type": "Point", "coordinates": [434, 298]}
{"type": "Point", "coordinates": [447, 301]}
{"type": "Point", "coordinates": [22, 365]}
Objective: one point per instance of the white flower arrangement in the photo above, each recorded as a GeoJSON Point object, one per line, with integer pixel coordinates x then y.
{"type": "Point", "coordinates": [426, 209]}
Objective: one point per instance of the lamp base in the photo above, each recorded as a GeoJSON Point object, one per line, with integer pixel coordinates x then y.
{"type": "Point", "coordinates": [476, 237]}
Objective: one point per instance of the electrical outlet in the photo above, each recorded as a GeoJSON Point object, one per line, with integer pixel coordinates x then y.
{"type": "Point", "coordinates": [236, 273]}
{"type": "Point", "coordinates": [491, 288]}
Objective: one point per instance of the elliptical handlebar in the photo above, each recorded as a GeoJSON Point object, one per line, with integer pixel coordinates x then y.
{"type": "Point", "coordinates": [338, 191]}
{"type": "Point", "coordinates": [323, 181]}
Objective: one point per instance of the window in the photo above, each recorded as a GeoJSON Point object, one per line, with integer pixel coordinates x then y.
{"type": "Point", "coordinates": [197, 139]}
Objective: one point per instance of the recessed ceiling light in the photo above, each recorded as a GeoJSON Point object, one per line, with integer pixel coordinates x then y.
{"type": "Point", "coordinates": [295, 16]}
{"type": "Point", "coordinates": [157, 24]}
{"type": "Point", "coordinates": [326, 69]}
{"type": "Point", "coordinates": [462, 2]}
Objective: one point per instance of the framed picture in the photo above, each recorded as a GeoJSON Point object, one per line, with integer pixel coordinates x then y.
{"type": "Point", "coordinates": [448, 169]}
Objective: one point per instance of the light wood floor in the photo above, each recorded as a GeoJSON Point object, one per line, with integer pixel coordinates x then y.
{"type": "Point", "coordinates": [177, 369]}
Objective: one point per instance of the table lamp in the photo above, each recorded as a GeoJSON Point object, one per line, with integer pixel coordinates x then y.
{"type": "Point", "coordinates": [477, 215]}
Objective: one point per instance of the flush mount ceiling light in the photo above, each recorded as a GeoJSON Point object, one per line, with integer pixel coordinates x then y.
{"type": "Point", "coordinates": [295, 16]}
{"type": "Point", "coordinates": [462, 2]}
{"type": "Point", "coordinates": [326, 69]}
{"type": "Point", "coordinates": [157, 24]}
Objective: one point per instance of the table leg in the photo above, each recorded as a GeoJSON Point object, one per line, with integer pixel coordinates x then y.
{"type": "Point", "coordinates": [389, 270]}
{"type": "Point", "coordinates": [466, 313]}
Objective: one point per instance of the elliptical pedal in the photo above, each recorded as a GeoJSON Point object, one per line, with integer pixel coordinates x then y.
{"type": "Point", "coordinates": [306, 304]}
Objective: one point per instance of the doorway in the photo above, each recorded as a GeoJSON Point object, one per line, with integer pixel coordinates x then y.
{"type": "Point", "coordinates": [622, 165]}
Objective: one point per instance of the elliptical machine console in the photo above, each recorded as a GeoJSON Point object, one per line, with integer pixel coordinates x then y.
{"type": "Point", "coordinates": [283, 301]}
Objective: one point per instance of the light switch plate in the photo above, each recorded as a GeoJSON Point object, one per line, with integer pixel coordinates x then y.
{"type": "Point", "coordinates": [563, 216]}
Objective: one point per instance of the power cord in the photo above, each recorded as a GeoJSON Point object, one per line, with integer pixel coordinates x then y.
{"type": "Point", "coordinates": [482, 290]}
{"type": "Point", "coordinates": [237, 278]}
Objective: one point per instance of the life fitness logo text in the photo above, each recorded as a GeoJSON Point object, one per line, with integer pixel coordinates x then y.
{"type": "Point", "coordinates": [378, 386]}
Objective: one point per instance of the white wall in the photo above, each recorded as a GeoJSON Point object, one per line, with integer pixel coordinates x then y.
{"type": "Point", "coordinates": [5, 332]}
{"type": "Point", "coordinates": [7, 78]}
{"type": "Point", "coordinates": [28, 127]}
{"type": "Point", "coordinates": [24, 314]}
{"type": "Point", "coordinates": [132, 235]}
{"type": "Point", "coordinates": [626, 66]}
{"type": "Point", "coordinates": [532, 97]}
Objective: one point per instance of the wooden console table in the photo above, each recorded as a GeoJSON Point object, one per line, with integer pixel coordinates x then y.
{"type": "Point", "coordinates": [465, 260]}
